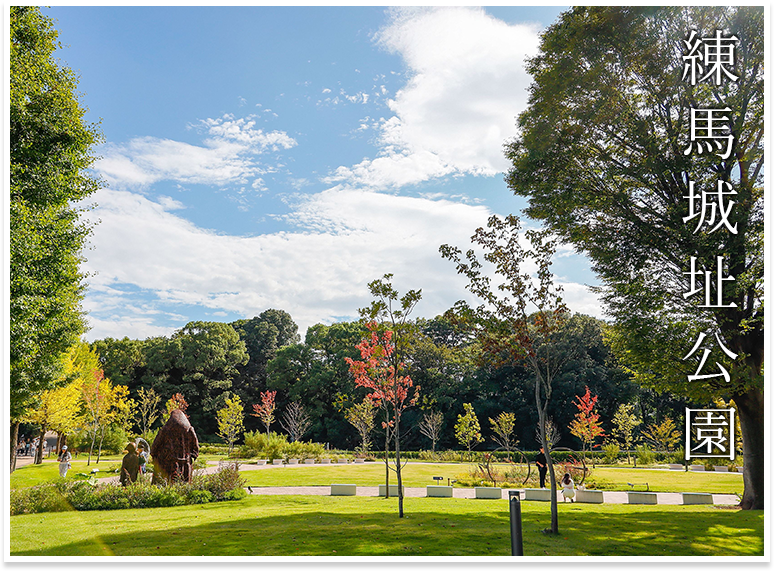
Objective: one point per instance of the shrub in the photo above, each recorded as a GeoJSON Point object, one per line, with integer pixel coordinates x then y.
{"type": "Point", "coordinates": [645, 455]}
{"type": "Point", "coordinates": [65, 495]}
{"type": "Point", "coordinates": [611, 450]}
{"type": "Point", "coordinates": [269, 446]}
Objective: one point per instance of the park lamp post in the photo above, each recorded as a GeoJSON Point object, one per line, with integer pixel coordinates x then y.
{"type": "Point", "coordinates": [514, 502]}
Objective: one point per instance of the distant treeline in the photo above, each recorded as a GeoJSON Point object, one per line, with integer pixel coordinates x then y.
{"type": "Point", "coordinates": [208, 362]}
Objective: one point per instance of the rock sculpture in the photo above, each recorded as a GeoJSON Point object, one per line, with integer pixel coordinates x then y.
{"type": "Point", "coordinates": [174, 450]}
{"type": "Point", "coordinates": [130, 466]}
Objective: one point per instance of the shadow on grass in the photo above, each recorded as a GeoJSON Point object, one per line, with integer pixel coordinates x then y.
{"type": "Point", "coordinates": [263, 530]}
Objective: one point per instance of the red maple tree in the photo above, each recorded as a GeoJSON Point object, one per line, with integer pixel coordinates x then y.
{"type": "Point", "coordinates": [380, 372]}
{"type": "Point", "coordinates": [586, 424]}
{"type": "Point", "coordinates": [265, 410]}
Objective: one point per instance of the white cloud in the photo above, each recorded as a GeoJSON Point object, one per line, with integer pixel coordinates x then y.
{"type": "Point", "coordinates": [466, 86]}
{"type": "Point", "coordinates": [228, 156]}
{"type": "Point", "coordinates": [147, 259]}
{"type": "Point", "coordinates": [344, 240]}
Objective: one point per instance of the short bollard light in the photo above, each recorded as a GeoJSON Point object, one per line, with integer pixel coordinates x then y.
{"type": "Point", "coordinates": [514, 501]}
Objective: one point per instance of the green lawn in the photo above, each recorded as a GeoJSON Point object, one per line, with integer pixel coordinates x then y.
{"type": "Point", "coordinates": [414, 475]}
{"type": "Point", "coordinates": [338, 526]}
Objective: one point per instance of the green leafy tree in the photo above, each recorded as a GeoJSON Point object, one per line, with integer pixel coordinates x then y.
{"type": "Point", "coordinates": [50, 149]}
{"type": "Point", "coordinates": [467, 429]}
{"type": "Point", "coordinates": [362, 416]}
{"type": "Point", "coordinates": [625, 422]}
{"type": "Point", "coordinates": [509, 332]}
{"type": "Point", "coordinates": [663, 436]}
{"type": "Point", "coordinates": [601, 158]}
{"type": "Point", "coordinates": [502, 427]}
{"type": "Point", "coordinates": [231, 422]}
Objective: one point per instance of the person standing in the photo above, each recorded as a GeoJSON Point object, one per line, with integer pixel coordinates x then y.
{"type": "Point", "coordinates": [64, 461]}
{"type": "Point", "coordinates": [542, 466]}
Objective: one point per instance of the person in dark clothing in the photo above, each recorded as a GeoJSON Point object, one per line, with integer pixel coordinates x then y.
{"type": "Point", "coordinates": [542, 466]}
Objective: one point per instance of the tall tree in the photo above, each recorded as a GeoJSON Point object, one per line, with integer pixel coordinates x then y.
{"type": "Point", "coordinates": [50, 150]}
{"type": "Point", "coordinates": [379, 373]}
{"type": "Point", "coordinates": [389, 313]}
{"type": "Point", "coordinates": [603, 157]}
{"type": "Point", "coordinates": [467, 429]}
{"type": "Point", "coordinates": [509, 328]}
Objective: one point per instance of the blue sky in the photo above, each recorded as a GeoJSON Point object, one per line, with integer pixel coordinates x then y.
{"type": "Point", "coordinates": [260, 157]}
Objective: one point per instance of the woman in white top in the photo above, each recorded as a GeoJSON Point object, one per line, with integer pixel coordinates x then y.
{"type": "Point", "coordinates": [568, 488]}
{"type": "Point", "coordinates": [64, 462]}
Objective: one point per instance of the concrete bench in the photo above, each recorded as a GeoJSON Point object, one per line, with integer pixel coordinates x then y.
{"type": "Point", "coordinates": [589, 496]}
{"type": "Point", "coordinates": [440, 492]}
{"type": "Point", "coordinates": [292, 460]}
{"type": "Point", "coordinates": [359, 460]}
{"type": "Point", "coordinates": [309, 461]}
{"type": "Point", "coordinates": [393, 490]}
{"type": "Point", "coordinates": [721, 468]}
{"type": "Point", "coordinates": [697, 467]}
{"type": "Point", "coordinates": [483, 493]}
{"type": "Point", "coordinates": [740, 469]}
{"type": "Point", "coordinates": [342, 461]}
{"type": "Point", "coordinates": [676, 466]}
{"type": "Point", "coordinates": [537, 494]}
{"type": "Point", "coordinates": [261, 462]}
{"type": "Point", "coordinates": [325, 461]}
{"type": "Point", "coordinates": [343, 489]}
{"type": "Point", "coordinates": [277, 462]}
{"type": "Point", "coordinates": [643, 498]}
{"type": "Point", "coordinates": [693, 498]}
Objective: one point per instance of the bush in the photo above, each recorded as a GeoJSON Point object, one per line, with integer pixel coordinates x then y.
{"type": "Point", "coordinates": [65, 495]}
{"type": "Point", "coordinates": [645, 455]}
{"type": "Point", "coordinates": [611, 450]}
{"type": "Point", "coordinates": [275, 446]}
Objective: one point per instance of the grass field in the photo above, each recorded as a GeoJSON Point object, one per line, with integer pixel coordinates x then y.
{"type": "Point", "coordinates": [339, 526]}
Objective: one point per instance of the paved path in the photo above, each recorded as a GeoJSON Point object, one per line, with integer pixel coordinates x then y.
{"type": "Point", "coordinates": [663, 498]}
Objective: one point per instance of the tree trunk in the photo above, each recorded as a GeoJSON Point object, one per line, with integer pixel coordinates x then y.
{"type": "Point", "coordinates": [397, 465]}
{"type": "Point", "coordinates": [387, 461]}
{"type": "Point", "coordinates": [14, 444]}
{"type": "Point", "coordinates": [750, 406]}
{"type": "Point", "coordinates": [542, 411]}
{"type": "Point", "coordinates": [41, 444]}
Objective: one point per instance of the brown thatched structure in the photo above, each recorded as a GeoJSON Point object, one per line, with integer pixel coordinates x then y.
{"type": "Point", "coordinates": [174, 449]}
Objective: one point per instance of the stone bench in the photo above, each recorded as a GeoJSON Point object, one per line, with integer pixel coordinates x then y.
{"type": "Point", "coordinates": [740, 469]}
{"type": "Point", "coordinates": [342, 461]}
{"type": "Point", "coordinates": [589, 496]}
{"type": "Point", "coordinates": [676, 466]}
{"type": "Point", "coordinates": [309, 461]}
{"type": "Point", "coordinates": [277, 462]}
{"type": "Point", "coordinates": [393, 490]}
{"type": "Point", "coordinates": [649, 498]}
{"type": "Point", "coordinates": [343, 489]}
{"type": "Point", "coordinates": [359, 460]}
{"type": "Point", "coordinates": [693, 498]}
{"type": "Point", "coordinates": [440, 492]}
{"type": "Point", "coordinates": [484, 493]}
{"type": "Point", "coordinates": [325, 461]}
{"type": "Point", "coordinates": [261, 462]}
{"type": "Point", "coordinates": [697, 467]}
{"type": "Point", "coordinates": [537, 494]}
{"type": "Point", "coordinates": [292, 460]}
{"type": "Point", "coordinates": [721, 468]}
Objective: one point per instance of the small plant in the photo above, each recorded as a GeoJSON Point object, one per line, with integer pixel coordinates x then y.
{"type": "Point", "coordinates": [645, 455]}
{"type": "Point", "coordinates": [611, 450]}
